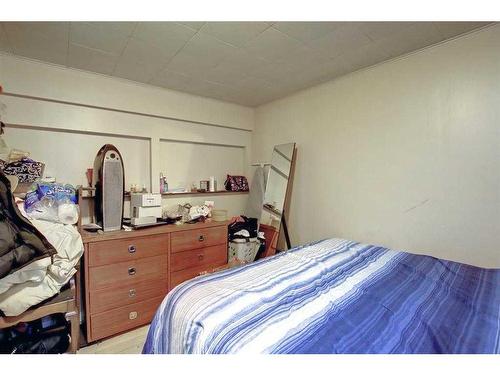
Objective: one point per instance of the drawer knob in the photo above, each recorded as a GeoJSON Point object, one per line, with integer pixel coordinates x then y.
{"type": "Point", "coordinates": [201, 238]}
{"type": "Point", "coordinates": [131, 249]}
{"type": "Point", "coordinates": [132, 315]}
{"type": "Point", "coordinates": [132, 271]}
{"type": "Point", "coordinates": [131, 293]}
{"type": "Point", "coordinates": [200, 257]}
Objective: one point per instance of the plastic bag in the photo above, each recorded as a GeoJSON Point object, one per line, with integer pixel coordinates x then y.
{"type": "Point", "coordinates": [52, 202]}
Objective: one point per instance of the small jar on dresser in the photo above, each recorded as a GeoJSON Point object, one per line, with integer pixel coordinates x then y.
{"type": "Point", "coordinates": [128, 273]}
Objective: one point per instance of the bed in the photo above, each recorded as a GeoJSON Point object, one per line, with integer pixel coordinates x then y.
{"type": "Point", "coordinates": [333, 296]}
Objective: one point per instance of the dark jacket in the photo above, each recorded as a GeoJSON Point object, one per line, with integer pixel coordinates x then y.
{"type": "Point", "coordinates": [20, 242]}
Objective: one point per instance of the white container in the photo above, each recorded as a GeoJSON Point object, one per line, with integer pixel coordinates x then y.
{"type": "Point", "coordinates": [242, 250]}
{"type": "Point", "coordinates": [212, 186]}
{"type": "Point", "coordinates": [219, 215]}
{"type": "Point", "coordinates": [145, 199]}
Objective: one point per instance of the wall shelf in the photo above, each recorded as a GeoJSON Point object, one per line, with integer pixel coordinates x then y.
{"type": "Point", "coordinates": [219, 192]}
{"type": "Point", "coordinates": [167, 195]}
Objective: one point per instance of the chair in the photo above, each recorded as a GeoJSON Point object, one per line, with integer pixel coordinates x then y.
{"type": "Point", "coordinates": [65, 302]}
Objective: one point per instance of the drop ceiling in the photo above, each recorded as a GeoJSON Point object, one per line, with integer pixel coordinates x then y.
{"type": "Point", "coordinates": [249, 63]}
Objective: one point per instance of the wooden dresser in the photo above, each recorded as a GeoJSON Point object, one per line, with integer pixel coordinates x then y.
{"type": "Point", "coordinates": [127, 274]}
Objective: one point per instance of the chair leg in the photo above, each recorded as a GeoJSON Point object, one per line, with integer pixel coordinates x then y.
{"type": "Point", "coordinates": [74, 320]}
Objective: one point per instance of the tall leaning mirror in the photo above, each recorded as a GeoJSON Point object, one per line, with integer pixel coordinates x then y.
{"type": "Point", "coordinates": [273, 220]}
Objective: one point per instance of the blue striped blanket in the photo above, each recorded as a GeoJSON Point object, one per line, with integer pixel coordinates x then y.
{"type": "Point", "coordinates": [334, 296]}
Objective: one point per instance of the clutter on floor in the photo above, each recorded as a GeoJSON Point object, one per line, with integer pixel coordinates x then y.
{"type": "Point", "coordinates": [245, 242]}
{"type": "Point", "coordinates": [47, 335]}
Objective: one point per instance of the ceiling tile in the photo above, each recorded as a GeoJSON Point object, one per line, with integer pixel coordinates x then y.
{"type": "Point", "coordinates": [315, 74]}
{"type": "Point", "coordinates": [208, 48]}
{"type": "Point", "coordinates": [46, 41]}
{"type": "Point", "coordinates": [306, 31]}
{"type": "Point", "coordinates": [256, 84]}
{"type": "Point", "coordinates": [185, 64]}
{"type": "Point", "coordinates": [55, 30]}
{"type": "Point", "coordinates": [215, 90]}
{"type": "Point", "coordinates": [106, 36]}
{"type": "Point", "coordinates": [420, 35]}
{"type": "Point", "coordinates": [265, 96]}
{"type": "Point", "coordinates": [272, 45]}
{"type": "Point", "coordinates": [90, 59]}
{"type": "Point", "coordinates": [246, 98]}
{"type": "Point", "coordinates": [341, 40]}
{"type": "Point", "coordinates": [367, 55]}
{"type": "Point", "coordinates": [143, 53]}
{"type": "Point", "coordinates": [160, 34]}
{"type": "Point", "coordinates": [135, 71]}
{"type": "Point", "coordinates": [235, 33]}
{"type": "Point", "coordinates": [248, 63]}
{"type": "Point", "coordinates": [305, 56]}
{"type": "Point", "coordinates": [226, 72]}
{"type": "Point", "coordinates": [141, 62]}
{"type": "Point", "coordinates": [202, 52]}
{"type": "Point", "coordinates": [451, 29]}
{"type": "Point", "coordinates": [379, 30]}
{"type": "Point", "coordinates": [274, 71]}
{"type": "Point", "coordinates": [193, 25]}
{"type": "Point", "coordinates": [172, 80]}
{"type": "Point", "coordinates": [244, 60]}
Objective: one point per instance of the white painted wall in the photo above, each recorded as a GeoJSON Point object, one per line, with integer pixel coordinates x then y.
{"type": "Point", "coordinates": [67, 165]}
{"type": "Point", "coordinates": [194, 162]}
{"type": "Point", "coordinates": [405, 154]}
{"type": "Point", "coordinates": [63, 116]}
{"type": "Point", "coordinates": [28, 77]}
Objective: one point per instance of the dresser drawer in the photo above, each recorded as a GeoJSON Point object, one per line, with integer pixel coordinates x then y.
{"type": "Point", "coordinates": [178, 277]}
{"type": "Point", "coordinates": [126, 294]}
{"type": "Point", "coordinates": [114, 251]}
{"type": "Point", "coordinates": [199, 257]}
{"type": "Point", "coordinates": [197, 238]}
{"type": "Point", "coordinates": [135, 270]}
{"type": "Point", "coordinates": [124, 318]}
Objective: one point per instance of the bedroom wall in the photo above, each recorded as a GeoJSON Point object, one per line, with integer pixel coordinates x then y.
{"type": "Point", "coordinates": [405, 154]}
{"type": "Point", "coordinates": [63, 116]}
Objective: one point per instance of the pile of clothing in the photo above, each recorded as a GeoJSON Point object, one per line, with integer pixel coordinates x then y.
{"type": "Point", "coordinates": [37, 257]}
{"type": "Point", "coordinates": [47, 335]}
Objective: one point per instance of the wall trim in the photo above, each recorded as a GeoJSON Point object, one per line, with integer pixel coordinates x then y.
{"type": "Point", "coordinates": [202, 143]}
{"type": "Point", "coordinates": [73, 131]}
{"type": "Point", "coordinates": [123, 111]}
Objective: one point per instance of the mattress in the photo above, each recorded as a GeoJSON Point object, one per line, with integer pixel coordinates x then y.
{"type": "Point", "coordinates": [333, 296]}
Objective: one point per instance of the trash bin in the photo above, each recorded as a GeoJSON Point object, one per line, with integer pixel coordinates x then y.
{"type": "Point", "coordinates": [243, 249]}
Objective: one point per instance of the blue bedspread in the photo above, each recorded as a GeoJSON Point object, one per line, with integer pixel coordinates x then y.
{"type": "Point", "coordinates": [334, 296]}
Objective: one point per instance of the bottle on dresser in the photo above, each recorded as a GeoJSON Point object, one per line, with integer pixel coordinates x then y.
{"type": "Point", "coordinates": [163, 184]}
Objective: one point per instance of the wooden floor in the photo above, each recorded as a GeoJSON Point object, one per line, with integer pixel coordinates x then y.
{"type": "Point", "coordinates": [128, 343]}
